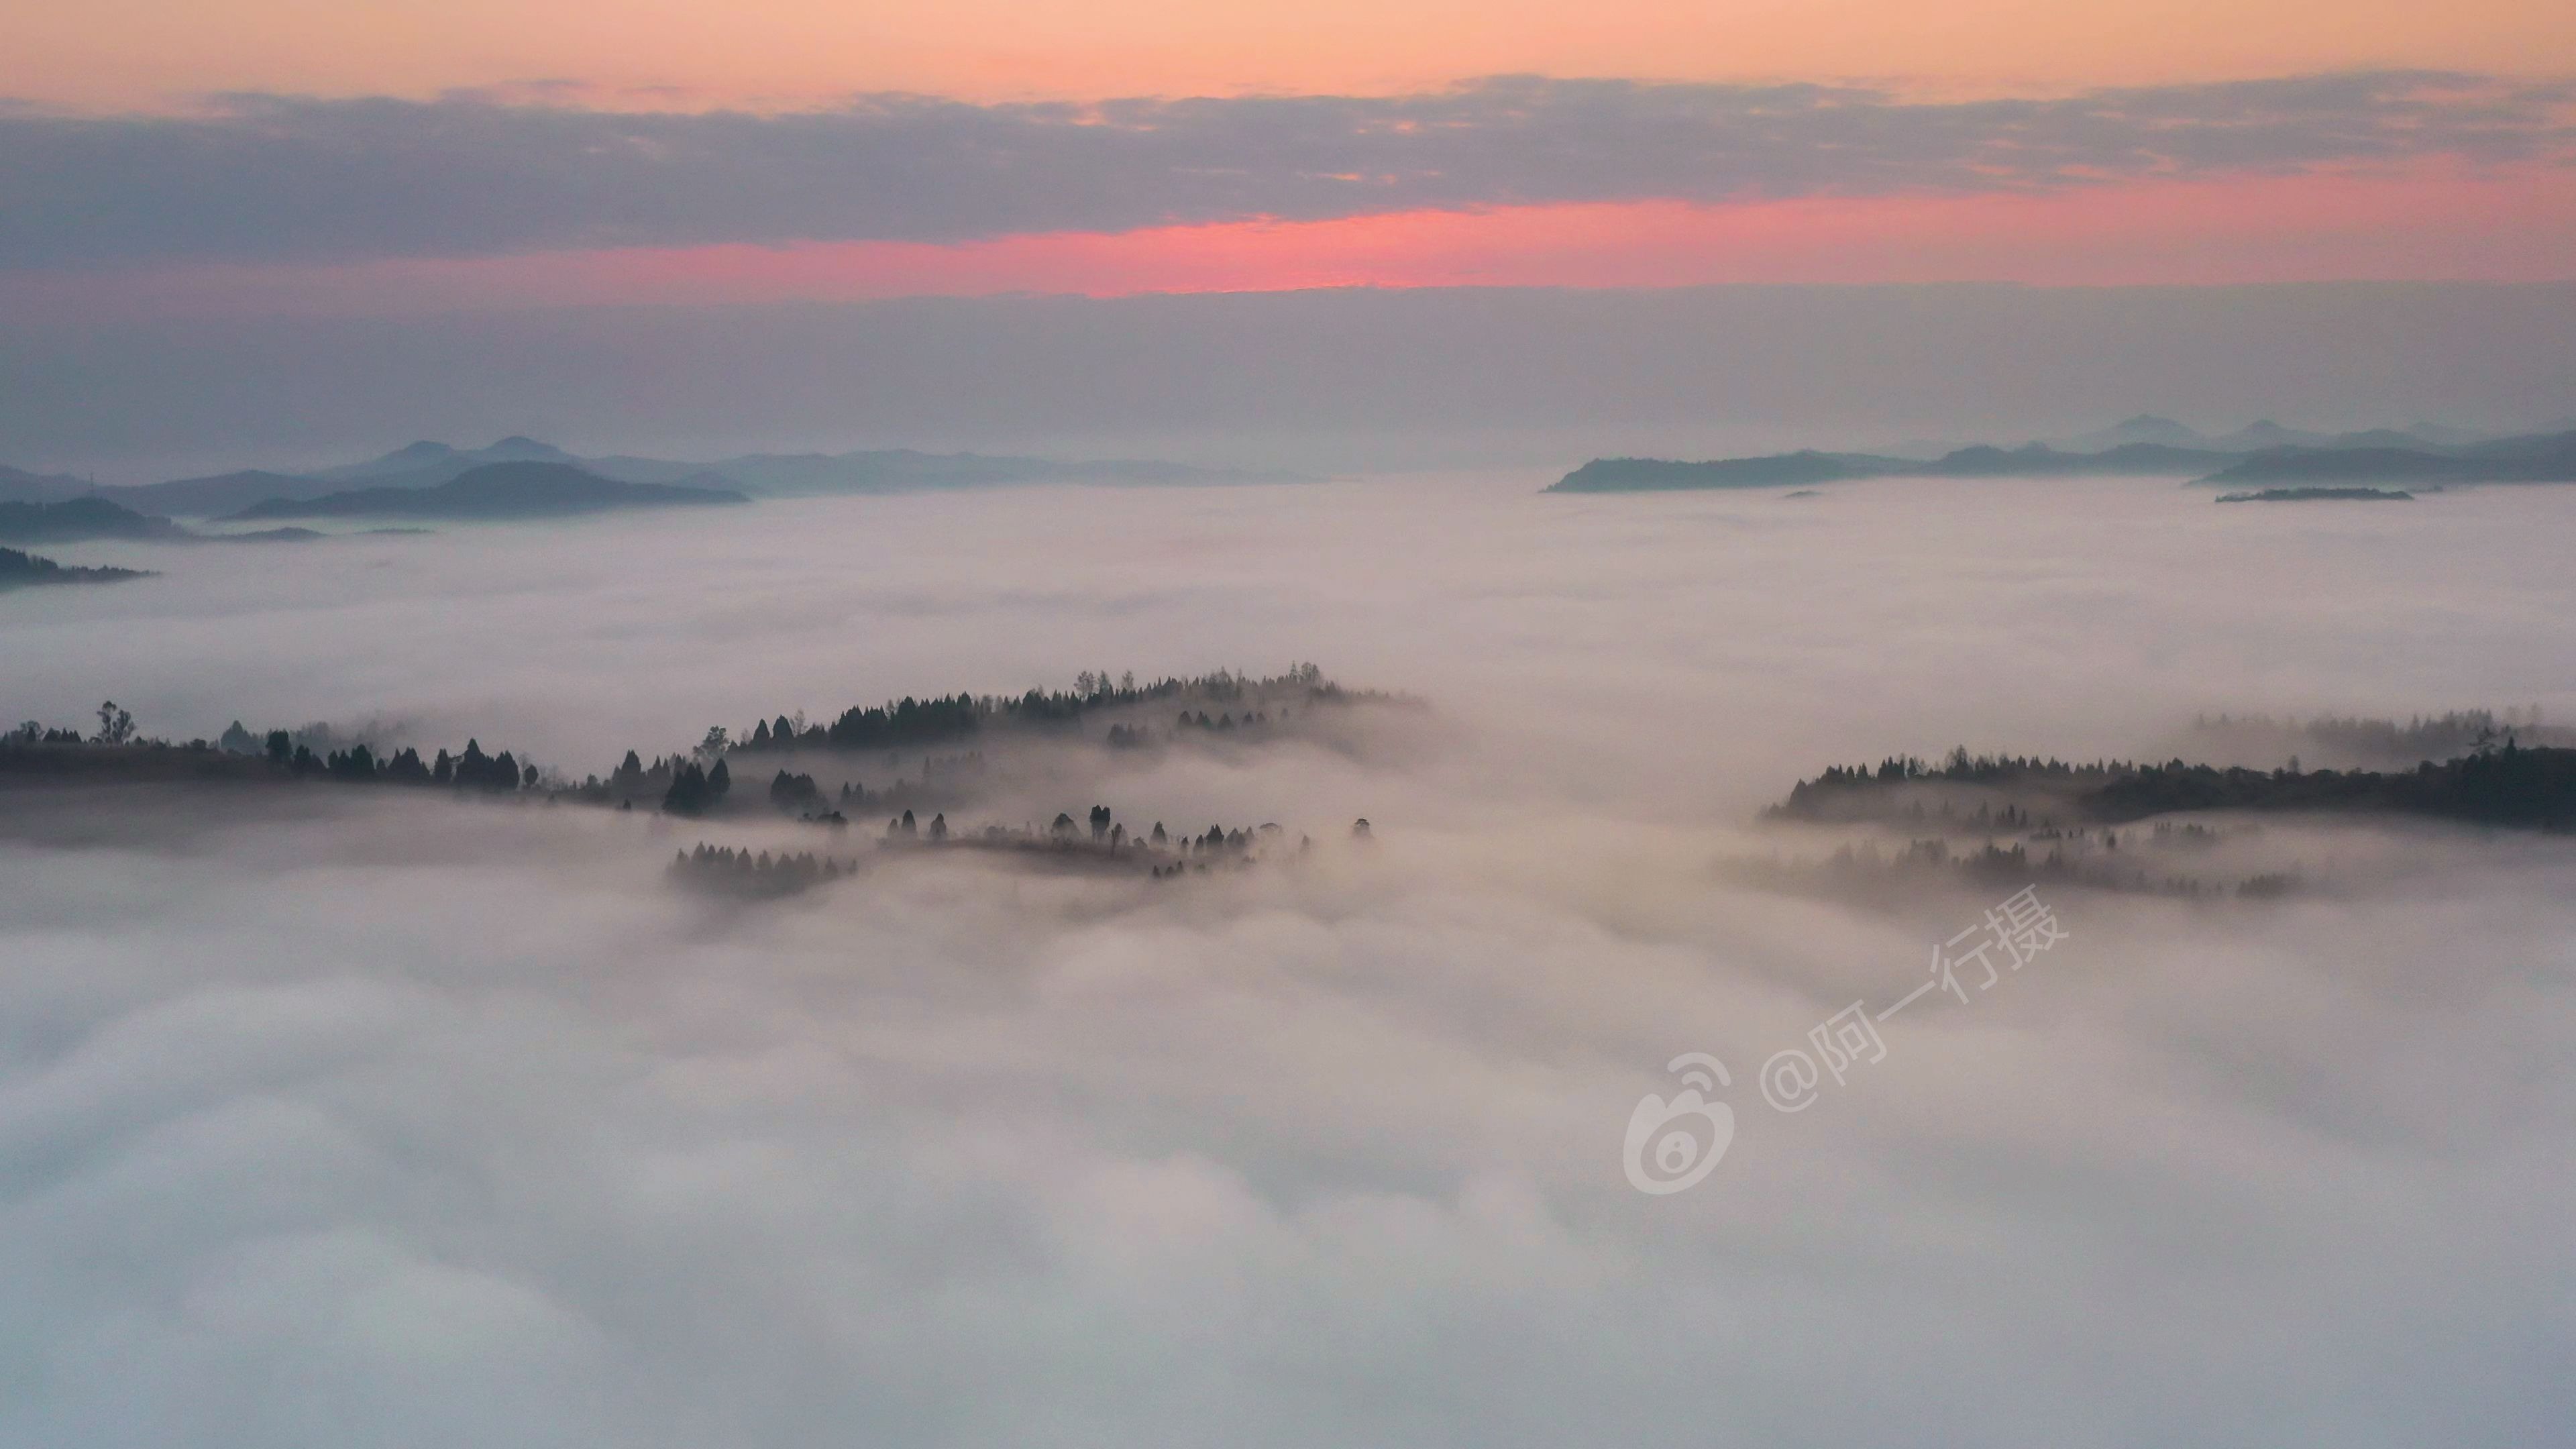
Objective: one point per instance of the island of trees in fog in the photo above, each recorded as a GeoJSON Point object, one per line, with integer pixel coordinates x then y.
{"type": "Point", "coordinates": [1107, 848]}
{"type": "Point", "coordinates": [930, 758]}
{"type": "Point", "coordinates": [938, 720]}
{"type": "Point", "coordinates": [2499, 782]}
{"type": "Point", "coordinates": [700, 783]}
{"type": "Point", "coordinates": [2030, 819]}
{"type": "Point", "coordinates": [2320, 495]}
{"type": "Point", "coordinates": [26, 570]}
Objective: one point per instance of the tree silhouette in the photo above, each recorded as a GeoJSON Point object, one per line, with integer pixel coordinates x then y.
{"type": "Point", "coordinates": [688, 794]}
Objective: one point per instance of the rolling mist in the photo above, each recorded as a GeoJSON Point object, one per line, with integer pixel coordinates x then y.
{"type": "Point", "coordinates": [338, 1117]}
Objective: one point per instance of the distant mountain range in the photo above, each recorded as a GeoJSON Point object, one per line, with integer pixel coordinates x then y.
{"type": "Point", "coordinates": [221, 494]}
{"type": "Point", "coordinates": [77, 520]}
{"type": "Point", "coordinates": [2256, 437]}
{"type": "Point", "coordinates": [1640, 475]}
{"type": "Point", "coordinates": [526, 489]}
{"type": "Point", "coordinates": [902, 470]}
{"type": "Point", "coordinates": [2141, 447]}
{"type": "Point", "coordinates": [2540, 458]}
{"type": "Point", "coordinates": [17, 485]}
{"type": "Point", "coordinates": [430, 464]}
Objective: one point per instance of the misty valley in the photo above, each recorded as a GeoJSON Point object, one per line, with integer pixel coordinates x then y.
{"type": "Point", "coordinates": [770, 973]}
{"type": "Point", "coordinates": [1963, 821]}
{"type": "Point", "coordinates": [1372, 725]}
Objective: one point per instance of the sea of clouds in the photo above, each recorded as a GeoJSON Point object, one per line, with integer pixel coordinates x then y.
{"type": "Point", "coordinates": [357, 1119]}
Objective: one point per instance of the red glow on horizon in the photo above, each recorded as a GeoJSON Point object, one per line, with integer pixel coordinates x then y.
{"type": "Point", "coordinates": [2435, 224]}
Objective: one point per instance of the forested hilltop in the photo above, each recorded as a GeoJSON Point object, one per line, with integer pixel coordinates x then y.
{"type": "Point", "coordinates": [2355, 741]}
{"type": "Point", "coordinates": [80, 520]}
{"type": "Point", "coordinates": [116, 751]}
{"type": "Point", "coordinates": [944, 719]}
{"type": "Point", "coordinates": [26, 570]}
{"type": "Point", "coordinates": [2498, 783]}
{"type": "Point", "coordinates": [1905, 823]}
{"type": "Point", "coordinates": [786, 771]}
{"type": "Point", "coordinates": [2320, 495]}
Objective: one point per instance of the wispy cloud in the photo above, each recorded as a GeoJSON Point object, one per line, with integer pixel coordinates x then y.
{"type": "Point", "coordinates": [270, 178]}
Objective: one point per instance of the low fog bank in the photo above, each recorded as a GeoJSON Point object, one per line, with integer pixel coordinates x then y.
{"type": "Point", "coordinates": [1670, 657]}
{"type": "Point", "coordinates": [395, 1119]}
{"type": "Point", "coordinates": [358, 1116]}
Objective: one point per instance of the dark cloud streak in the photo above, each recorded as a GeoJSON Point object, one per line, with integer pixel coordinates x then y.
{"type": "Point", "coordinates": [267, 178]}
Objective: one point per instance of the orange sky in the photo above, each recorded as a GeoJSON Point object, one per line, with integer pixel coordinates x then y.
{"type": "Point", "coordinates": [128, 54]}
{"type": "Point", "coordinates": [2515, 224]}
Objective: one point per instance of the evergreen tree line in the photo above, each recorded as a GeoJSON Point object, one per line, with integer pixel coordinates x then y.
{"type": "Point", "coordinates": [2511, 785]}
{"type": "Point", "coordinates": [358, 764]}
{"type": "Point", "coordinates": [1224, 723]}
{"type": "Point", "coordinates": [911, 722]}
{"type": "Point", "coordinates": [471, 770]}
{"type": "Point", "coordinates": [1867, 871]}
{"type": "Point", "coordinates": [115, 727]}
{"type": "Point", "coordinates": [2500, 784]}
{"type": "Point", "coordinates": [1829, 795]}
{"type": "Point", "coordinates": [693, 790]}
{"type": "Point", "coordinates": [2421, 737]}
{"type": "Point", "coordinates": [1099, 828]}
{"type": "Point", "coordinates": [724, 867]}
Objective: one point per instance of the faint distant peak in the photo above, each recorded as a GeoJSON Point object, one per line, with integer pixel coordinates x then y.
{"type": "Point", "coordinates": [2143, 428]}
{"type": "Point", "coordinates": [2149, 427]}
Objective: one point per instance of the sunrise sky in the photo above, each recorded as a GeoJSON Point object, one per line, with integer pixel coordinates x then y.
{"type": "Point", "coordinates": [148, 54]}
{"type": "Point", "coordinates": [282, 156]}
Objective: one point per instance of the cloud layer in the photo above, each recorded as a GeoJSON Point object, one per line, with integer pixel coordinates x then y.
{"type": "Point", "coordinates": [266, 178]}
{"type": "Point", "coordinates": [386, 1121]}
